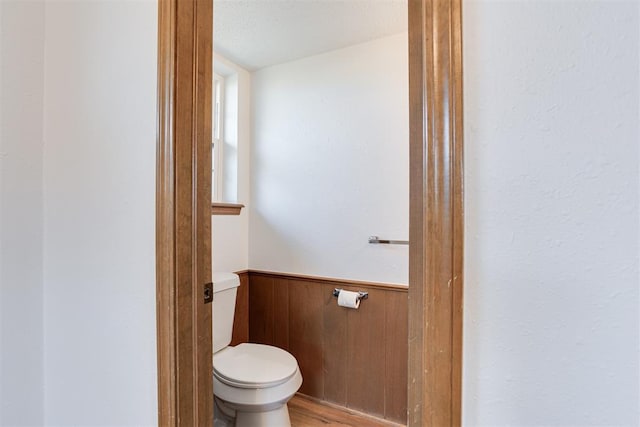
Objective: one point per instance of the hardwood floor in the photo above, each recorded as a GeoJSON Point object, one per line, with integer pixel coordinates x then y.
{"type": "Point", "coordinates": [309, 412]}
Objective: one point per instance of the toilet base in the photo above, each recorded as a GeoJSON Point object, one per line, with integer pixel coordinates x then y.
{"type": "Point", "coordinates": [223, 416]}
{"type": "Point", "coordinates": [278, 417]}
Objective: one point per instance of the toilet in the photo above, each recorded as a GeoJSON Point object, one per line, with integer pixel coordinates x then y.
{"type": "Point", "coordinates": [252, 383]}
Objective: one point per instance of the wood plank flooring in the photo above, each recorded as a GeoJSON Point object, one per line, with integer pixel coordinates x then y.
{"type": "Point", "coordinates": [309, 412]}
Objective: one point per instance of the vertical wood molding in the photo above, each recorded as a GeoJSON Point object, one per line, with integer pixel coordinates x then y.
{"type": "Point", "coordinates": [436, 213]}
{"type": "Point", "coordinates": [183, 217]}
{"type": "Point", "coordinates": [165, 219]}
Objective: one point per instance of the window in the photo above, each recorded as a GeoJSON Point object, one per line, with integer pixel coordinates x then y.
{"type": "Point", "coordinates": [217, 144]}
{"type": "Point", "coordinates": [225, 129]}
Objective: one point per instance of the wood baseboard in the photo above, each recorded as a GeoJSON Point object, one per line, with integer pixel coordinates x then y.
{"type": "Point", "coordinates": [307, 411]}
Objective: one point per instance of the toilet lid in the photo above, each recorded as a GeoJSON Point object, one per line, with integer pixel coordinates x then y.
{"type": "Point", "coordinates": [254, 366]}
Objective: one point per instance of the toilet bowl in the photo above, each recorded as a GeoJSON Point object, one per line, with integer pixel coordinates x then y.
{"type": "Point", "coordinates": [252, 383]}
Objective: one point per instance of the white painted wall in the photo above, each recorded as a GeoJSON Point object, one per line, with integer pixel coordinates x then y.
{"type": "Point", "coordinates": [329, 163]}
{"type": "Point", "coordinates": [99, 213]}
{"type": "Point", "coordinates": [21, 323]}
{"type": "Point", "coordinates": [230, 239]}
{"type": "Point", "coordinates": [552, 185]}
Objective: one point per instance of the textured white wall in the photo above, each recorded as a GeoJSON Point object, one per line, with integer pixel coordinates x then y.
{"type": "Point", "coordinates": [329, 163]}
{"type": "Point", "coordinates": [552, 185]}
{"type": "Point", "coordinates": [99, 213]}
{"type": "Point", "coordinates": [230, 240]}
{"type": "Point", "coordinates": [21, 327]}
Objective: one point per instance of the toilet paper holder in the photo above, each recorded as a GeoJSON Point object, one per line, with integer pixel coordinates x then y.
{"type": "Point", "coordinates": [361, 295]}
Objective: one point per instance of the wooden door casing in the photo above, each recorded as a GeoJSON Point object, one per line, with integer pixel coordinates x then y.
{"type": "Point", "coordinates": [184, 207]}
{"type": "Point", "coordinates": [183, 213]}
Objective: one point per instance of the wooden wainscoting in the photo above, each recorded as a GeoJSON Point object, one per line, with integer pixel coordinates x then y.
{"type": "Point", "coordinates": [353, 358]}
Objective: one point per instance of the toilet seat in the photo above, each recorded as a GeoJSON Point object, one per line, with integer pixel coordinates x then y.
{"type": "Point", "coordinates": [254, 366]}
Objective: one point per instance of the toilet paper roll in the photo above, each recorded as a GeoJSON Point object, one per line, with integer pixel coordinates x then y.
{"type": "Point", "coordinates": [348, 299]}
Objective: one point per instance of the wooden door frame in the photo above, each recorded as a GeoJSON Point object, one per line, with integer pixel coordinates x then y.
{"type": "Point", "coordinates": [183, 244]}
{"type": "Point", "coordinates": [436, 224]}
{"type": "Point", "coordinates": [183, 213]}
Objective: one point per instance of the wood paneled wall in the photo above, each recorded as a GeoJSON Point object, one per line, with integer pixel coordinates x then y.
{"type": "Point", "coordinates": [353, 358]}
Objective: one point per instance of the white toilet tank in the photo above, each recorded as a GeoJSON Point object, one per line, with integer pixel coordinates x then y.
{"type": "Point", "coordinates": [225, 286]}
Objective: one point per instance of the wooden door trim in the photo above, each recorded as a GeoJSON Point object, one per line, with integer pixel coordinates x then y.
{"type": "Point", "coordinates": [183, 213]}
{"type": "Point", "coordinates": [436, 213]}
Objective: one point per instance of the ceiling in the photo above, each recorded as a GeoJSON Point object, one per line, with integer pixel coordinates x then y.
{"type": "Point", "coordinates": [259, 33]}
